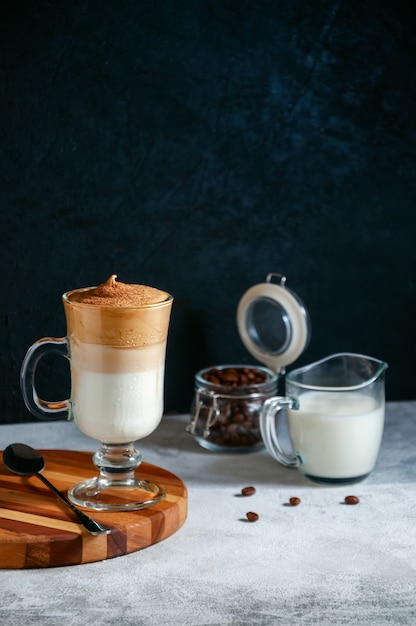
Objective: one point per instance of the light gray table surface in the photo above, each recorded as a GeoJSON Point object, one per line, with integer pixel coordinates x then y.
{"type": "Point", "coordinates": [321, 562]}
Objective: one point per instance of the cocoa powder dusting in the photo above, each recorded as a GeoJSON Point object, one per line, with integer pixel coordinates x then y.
{"type": "Point", "coordinates": [118, 294]}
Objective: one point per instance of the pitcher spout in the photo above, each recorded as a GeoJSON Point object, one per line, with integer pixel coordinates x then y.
{"type": "Point", "coordinates": [343, 371]}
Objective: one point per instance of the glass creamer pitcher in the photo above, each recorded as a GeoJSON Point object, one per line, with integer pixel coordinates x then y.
{"type": "Point", "coordinates": [335, 418]}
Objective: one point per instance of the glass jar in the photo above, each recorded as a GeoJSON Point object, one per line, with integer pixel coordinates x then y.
{"type": "Point", "coordinates": [227, 404]}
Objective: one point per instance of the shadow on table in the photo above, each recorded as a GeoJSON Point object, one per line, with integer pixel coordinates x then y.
{"type": "Point", "coordinates": [396, 463]}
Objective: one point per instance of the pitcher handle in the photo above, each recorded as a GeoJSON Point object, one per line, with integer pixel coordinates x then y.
{"type": "Point", "coordinates": [270, 417]}
{"type": "Point", "coordinates": [37, 406]}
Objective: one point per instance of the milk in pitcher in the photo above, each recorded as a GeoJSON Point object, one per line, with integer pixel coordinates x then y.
{"type": "Point", "coordinates": [336, 435]}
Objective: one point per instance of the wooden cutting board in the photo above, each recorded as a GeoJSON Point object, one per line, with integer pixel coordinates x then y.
{"type": "Point", "coordinates": [38, 530]}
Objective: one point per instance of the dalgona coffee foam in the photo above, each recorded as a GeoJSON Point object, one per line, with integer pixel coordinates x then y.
{"type": "Point", "coordinates": [118, 294]}
{"type": "Point", "coordinates": [118, 314]}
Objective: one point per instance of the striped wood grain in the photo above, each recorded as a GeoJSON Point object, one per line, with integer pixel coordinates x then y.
{"type": "Point", "coordinates": [38, 530]}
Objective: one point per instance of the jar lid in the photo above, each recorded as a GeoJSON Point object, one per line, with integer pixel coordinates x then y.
{"type": "Point", "coordinates": [273, 323]}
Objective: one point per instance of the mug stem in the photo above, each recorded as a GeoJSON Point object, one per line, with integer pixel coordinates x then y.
{"type": "Point", "coordinates": [116, 488]}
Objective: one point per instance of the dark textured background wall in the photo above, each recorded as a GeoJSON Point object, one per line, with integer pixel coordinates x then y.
{"type": "Point", "coordinates": [197, 146]}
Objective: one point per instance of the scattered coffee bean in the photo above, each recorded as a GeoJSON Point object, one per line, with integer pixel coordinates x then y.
{"type": "Point", "coordinates": [252, 517]}
{"type": "Point", "coordinates": [351, 500]}
{"type": "Point", "coordinates": [248, 491]}
{"type": "Point", "coordinates": [294, 501]}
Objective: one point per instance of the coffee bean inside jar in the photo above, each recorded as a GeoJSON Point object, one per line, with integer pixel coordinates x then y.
{"type": "Point", "coordinates": [228, 401]}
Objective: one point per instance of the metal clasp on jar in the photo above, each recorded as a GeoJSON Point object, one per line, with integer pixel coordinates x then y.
{"type": "Point", "coordinates": [212, 416]}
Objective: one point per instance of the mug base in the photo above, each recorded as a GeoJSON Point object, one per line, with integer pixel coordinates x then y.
{"type": "Point", "coordinates": [111, 494]}
{"type": "Point", "coordinates": [336, 481]}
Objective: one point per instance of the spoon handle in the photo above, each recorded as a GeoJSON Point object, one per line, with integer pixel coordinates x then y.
{"type": "Point", "coordinates": [91, 525]}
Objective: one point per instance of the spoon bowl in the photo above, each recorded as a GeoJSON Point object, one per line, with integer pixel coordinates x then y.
{"type": "Point", "coordinates": [23, 460]}
{"type": "Point", "coordinates": [26, 461]}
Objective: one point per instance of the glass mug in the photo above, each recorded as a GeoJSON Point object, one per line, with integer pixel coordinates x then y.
{"type": "Point", "coordinates": [117, 362]}
{"type": "Point", "coordinates": [335, 418]}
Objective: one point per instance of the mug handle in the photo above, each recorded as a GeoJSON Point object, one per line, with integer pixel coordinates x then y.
{"type": "Point", "coordinates": [269, 419]}
{"type": "Point", "coordinates": [38, 407]}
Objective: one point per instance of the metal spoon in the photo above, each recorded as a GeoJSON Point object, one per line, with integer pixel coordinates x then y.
{"type": "Point", "coordinates": [24, 460]}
